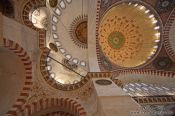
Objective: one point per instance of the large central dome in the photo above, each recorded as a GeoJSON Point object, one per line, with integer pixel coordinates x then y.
{"type": "Point", "coordinates": [128, 34]}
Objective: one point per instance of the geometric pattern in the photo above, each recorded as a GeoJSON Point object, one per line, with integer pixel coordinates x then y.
{"type": "Point", "coordinates": [127, 38]}
{"type": "Point", "coordinates": [168, 35]}
{"type": "Point", "coordinates": [78, 31]}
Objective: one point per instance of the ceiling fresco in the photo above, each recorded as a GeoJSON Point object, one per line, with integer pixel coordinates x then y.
{"type": "Point", "coordinates": [68, 32]}
{"type": "Point", "coordinates": [125, 44]}
{"type": "Point", "coordinates": [129, 34]}
{"type": "Point", "coordinates": [78, 31]}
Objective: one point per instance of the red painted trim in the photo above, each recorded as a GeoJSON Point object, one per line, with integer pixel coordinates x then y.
{"type": "Point", "coordinates": [163, 73]}
{"type": "Point", "coordinates": [64, 103]}
{"type": "Point", "coordinates": [25, 59]}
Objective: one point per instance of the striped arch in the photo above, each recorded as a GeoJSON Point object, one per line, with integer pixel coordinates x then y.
{"type": "Point", "coordinates": [25, 59]}
{"type": "Point", "coordinates": [42, 39]}
{"type": "Point", "coordinates": [100, 74]}
{"type": "Point", "coordinates": [123, 77]}
{"type": "Point", "coordinates": [29, 5]}
{"type": "Point", "coordinates": [72, 107]}
{"type": "Point", "coordinates": [169, 74]}
{"type": "Point", "coordinates": [97, 26]}
{"type": "Point", "coordinates": [58, 113]}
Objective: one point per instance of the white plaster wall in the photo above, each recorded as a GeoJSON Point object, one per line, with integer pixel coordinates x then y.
{"type": "Point", "coordinates": [93, 62]}
{"type": "Point", "coordinates": [118, 105]}
{"type": "Point", "coordinates": [12, 77]}
{"type": "Point", "coordinates": [26, 37]}
{"type": "Point", "coordinates": [113, 101]}
{"type": "Point", "coordinates": [108, 90]}
{"type": "Point", "coordinates": [63, 26]}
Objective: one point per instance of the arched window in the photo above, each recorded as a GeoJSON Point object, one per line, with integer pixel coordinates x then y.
{"type": "Point", "coordinates": [143, 89]}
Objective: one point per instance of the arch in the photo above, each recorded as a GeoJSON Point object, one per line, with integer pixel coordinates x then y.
{"type": "Point", "coordinates": [29, 5]}
{"type": "Point", "coordinates": [123, 77]}
{"type": "Point", "coordinates": [25, 59]}
{"type": "Point", "coordinates": [169, 74]}
{"type": "Point", "coordinates": [72, 106]}
{"type": "Point", "coordinates": [52, 82]}
{"type": "Point", "coordinates": [100, 74]}
{"type": "Point", "coordinates": [166, 36]}
{"type": "Point", "coordinates": [42, 39]}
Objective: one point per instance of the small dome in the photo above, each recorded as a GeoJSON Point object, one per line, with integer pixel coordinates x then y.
{"type": "Point", "coordinates": [129, 34]}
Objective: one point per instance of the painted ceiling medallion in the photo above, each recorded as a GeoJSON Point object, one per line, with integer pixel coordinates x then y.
{"type": "Point", "coordinates": [103, 82]}
{"type": "Point", "coordinates": [116, 40]}
{"type": "Point", "coordinates": [78, 31]}
{"type": "Point", "coordinates": [127, 35]}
